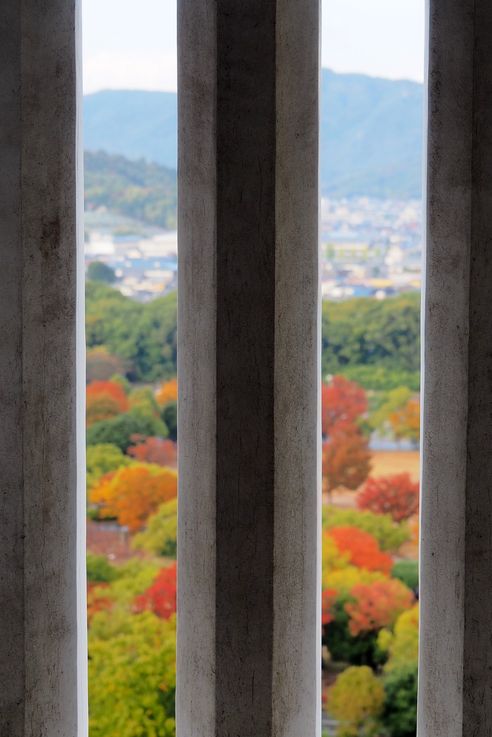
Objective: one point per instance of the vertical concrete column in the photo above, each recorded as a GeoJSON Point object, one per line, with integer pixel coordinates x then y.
{"type": "Point", "coordinates": [455, 694]}
{"type": "Point", "coordinates": [248, 551]}
{"type": "Point", "coordinates": [42, 633]}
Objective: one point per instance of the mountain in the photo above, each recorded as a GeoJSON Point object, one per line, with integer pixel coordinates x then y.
{"type": "Point", "coordinates": [133, 123]}
{"type": "Point", "coordinates": [140, 190]}
{"type": "Point", "coordinates": [370, 138]}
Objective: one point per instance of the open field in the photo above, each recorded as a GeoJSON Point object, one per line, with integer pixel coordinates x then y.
{"type": "Point", "coordinates": [384, 463]}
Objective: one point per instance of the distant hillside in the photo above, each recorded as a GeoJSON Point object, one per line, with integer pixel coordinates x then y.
{"type": "Point", "coordinates": [137, 189]}
{"type": "Point", "coordinates": [371, 132]}
{"type": "Point", "coordinates": [371, 136]}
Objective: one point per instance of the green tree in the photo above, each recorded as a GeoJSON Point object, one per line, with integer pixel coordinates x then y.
{"type": "Point", "coordinates": [143, 400]}
{"type": "Point", "coordinates": [99, 271]}
{"type": "Point", "coordinates": [121, 430]}
{"type": "Point", "coordinates": [169, 414]}
{"type": "Point", "coordinates": [371, 333]}
{"type": "Point", "coordinates": [102, 459]}
{"type": "Point", "coordinates": [143, 336]}
{"type": "Point", "coordinates": [408, 572]}
{"type": "Point", "coordinates": [400, 709]}
{"type": "Point", "coordinates": [392, 401]}
{"type": "Point", "coordinates": [159, 537]}
{"type": "Point", "coordinates": [100, 570]}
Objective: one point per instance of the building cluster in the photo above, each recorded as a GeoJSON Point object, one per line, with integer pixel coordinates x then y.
{"type": "Point", "coordinates": [368, 248]}
{"type": "Point", "coordinates": [145, 264]}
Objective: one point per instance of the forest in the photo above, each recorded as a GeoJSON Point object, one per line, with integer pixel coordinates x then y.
{"type": "Point", "coordinates": [373, 342]}
{"type": "Point", "coordinates": [370, 513]}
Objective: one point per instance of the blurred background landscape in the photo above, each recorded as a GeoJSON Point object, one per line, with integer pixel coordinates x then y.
{"type": "Point", "coordinates": [370, 255]}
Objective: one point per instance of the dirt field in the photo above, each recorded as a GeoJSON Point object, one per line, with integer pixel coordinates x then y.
{"type": "Point", "coordinates": [384, 463]}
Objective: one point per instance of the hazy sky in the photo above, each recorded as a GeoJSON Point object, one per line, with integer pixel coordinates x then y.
{"type": "Point", "coordinates": [132, 45]}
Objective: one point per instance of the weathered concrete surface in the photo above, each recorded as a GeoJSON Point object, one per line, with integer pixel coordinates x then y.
{"type": "Point", "coordinates": [455, 692]}
{"type": "Point", "coordinates": [248, 595]}
{"type": "Point", "coordinates": [41, 540]}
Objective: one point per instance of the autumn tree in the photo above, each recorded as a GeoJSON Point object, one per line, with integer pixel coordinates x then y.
{"type": "Point", "coordinates": [356, 701]}
{"type": "Point", "coordinates": [342, 401]}
{"type": "Point", "coordinates": [377, 605]}
{"type": "Point", "coordinates": [395, 495]}
{"type": "Point", "coordinates": [346, 457]}
{"type": "Point", "coordinates": [346, 453]}
{"type": "Point", "coordinates": [390, 535]}
{"type": "Point", "coordinates": [102, 459]}
{"type": "Point", "coordinates": [160, 451]}
{"type": "Point", "coordinates": [132, 675]}
{"type": "Point", "coordinates": [143, 401]}
{"type": "Point", "coordinates": [167, 392]}
{"type": "Point", "coordinates": [159, 536]}
{"type": "Point", "coordinates": [102, 365]}
{"type": "Point", "coordinates": [328, 597]}
{"type": "Point", "coordinates": [105, 399]}
{"type": "Point", "coordinates": [132, 494]}
{"type": "Point", "coordinates": [361, 548]}
{"type": "Point", "coordinates": [160, 598]}
{"type": "Point", "coordinates": [391, 401]}
{"type": "Point", "coordinates": [405, 421]}
{"type": "Point", "coordinates": [401, 643]}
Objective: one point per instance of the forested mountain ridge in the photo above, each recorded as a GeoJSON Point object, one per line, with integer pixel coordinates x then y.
{"type": "Point", "coordinates": [137, 189]}
{"type": "Point", "coordinates": [370, 138]}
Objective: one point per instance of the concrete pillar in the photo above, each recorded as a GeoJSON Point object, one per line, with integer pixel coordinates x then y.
{"type": "Point", "coordinates": [249, 583]}
{"type": "Point", "coordinates": [455, 698]}
{"type": "Point", "coordinates": [42, 636]}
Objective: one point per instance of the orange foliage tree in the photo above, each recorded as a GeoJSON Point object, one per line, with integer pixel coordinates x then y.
{"type": "Point", "coordinates": [160, 598]}
{"type": "Point", "coordinates": [167, 392]}
{"type": "Point", "coordinates": [105, 399]}
{"type": "Point", "coordinates": [405, 422]}
{"type": "Point", "coordinates": [346, 453]}
{"type": "Point", "coordinates": [133, 493]}
{"type": "Point", "coordinates": [362, 548]}
{"type": "Point", "coordinates": [377, 605]}
{"type": "Point", "coordinates": [155, 450]}
{"type": "Point", "coordinates": [396, 495]}
{"type": "Point", "coordinates": [346, 457]}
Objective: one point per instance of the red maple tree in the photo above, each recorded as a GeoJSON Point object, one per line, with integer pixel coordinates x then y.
{"type": "Point", "coordinates": [160, 598]}
{"type": "Point", "coordinates": [395, 495]}
{"type": "Point", "coordinates": [154, 450]}
{"type": "Point", "coordinates": [342, 401]}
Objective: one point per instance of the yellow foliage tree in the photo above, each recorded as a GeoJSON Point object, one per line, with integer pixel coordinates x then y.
{"type": "Point", "coordinates": [356, 701]}
{"type": "Point", "coordinates": [402, 645]}
{"type": "Point", "coordinates": [132, 494]}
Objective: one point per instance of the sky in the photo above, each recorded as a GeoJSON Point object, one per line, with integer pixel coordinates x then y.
{"type": "Point", "coordinates": [128, 45]}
